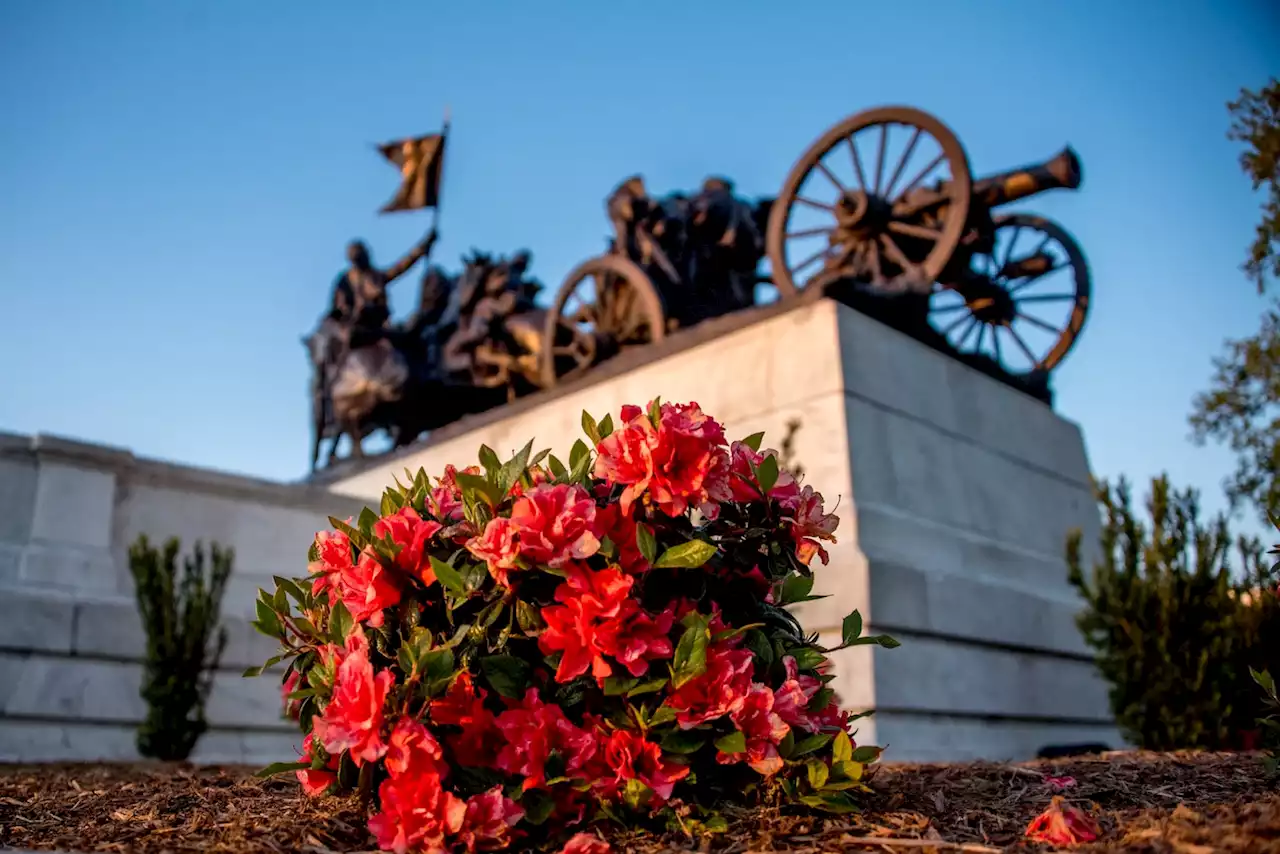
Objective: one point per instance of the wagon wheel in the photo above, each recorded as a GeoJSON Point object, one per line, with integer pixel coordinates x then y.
{"type": "Point", "coordinates": [604, 306]}
{"type": "Point", "coordinates": [1033, 315]}
{"type": "Point", "coordinates": [890, 221]}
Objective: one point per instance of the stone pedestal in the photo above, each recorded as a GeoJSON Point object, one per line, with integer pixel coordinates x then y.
{"type": "Point", "coordinates": [71, 642]}
{"type": "Point", "coordinates": [955, 495]}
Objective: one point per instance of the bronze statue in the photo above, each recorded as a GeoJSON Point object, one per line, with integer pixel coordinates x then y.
{"type": "Point", "coordinates": [911, 239]}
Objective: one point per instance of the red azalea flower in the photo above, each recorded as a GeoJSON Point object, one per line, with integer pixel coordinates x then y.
{"type": "Point", "coordinates": [413, 534]}
{"type": "Point", "coordinates": [417, 814]}
{"type": "Point", "coordinates": [742, 480]}
{"type": "Point", "coordinates": [575, 628]}
{"type": "Point", "coordinates": [445, 499]}
{"type": "Point", "coordinates": [690, 463]}
{"type": "Point", "coordinates": [367, 589]}
{"type": "Point", "coordinates": [291, 707]}
{"type": "Point", "coordinates": [810, 523]}
{"type": "Point", "coordinates": [334, 558]}
{"type": "Point", "coordinates": [634, 638]}
{"type": "Point", "coordinates": [555, 524]}
{"type": "Point", "coordinates": [488, 821]}
{"type": "Point", "coordinates": [533, 730]}
{"type": "Point", "coordinates": [497, 547]}
{"type": "Point", "coordinates": [630, 757]}
{"type": "Point", "coordinates": [1062, 824]}
{"type": "Point", "coordinates": [316, 782]}
{"type": "Point", "coordinates": [412, 749]}
{"type": "Point", "coordinates": [463, 706]}
{"type": "Point", "coordinates": [353, 719]}
{"type": "Point", "coordinates": [626, 455]}
{"type": "Point", "coordinates": [791, 702]}
{"type": "Point", "coordinates": [620, 528]}
{"type": "Point", "coordinates": [764, 731]}
{"type": "Point", "coordinates": [720, 691]}
{"type": "Point", "coordinates": [586, 843]}
{"type": "Point", "coordinates": [537, 476]}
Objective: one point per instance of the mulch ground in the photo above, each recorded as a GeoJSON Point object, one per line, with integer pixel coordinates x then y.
{"type": "Point", "coordinates": [1179, 803]}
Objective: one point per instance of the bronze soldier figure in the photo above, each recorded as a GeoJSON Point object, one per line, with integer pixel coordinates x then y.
{"type": "Point", "coordinates": [360, 294]}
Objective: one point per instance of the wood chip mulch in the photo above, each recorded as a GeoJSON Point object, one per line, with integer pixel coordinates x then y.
{"type": "Point", "coordinates": [1178, 803]}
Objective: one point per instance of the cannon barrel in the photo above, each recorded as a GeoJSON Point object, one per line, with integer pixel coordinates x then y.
{"type": "Point", "coordinates": [1062, 172]}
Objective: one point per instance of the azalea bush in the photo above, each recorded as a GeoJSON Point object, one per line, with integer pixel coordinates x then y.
{"type": "Point", "coordinates": [528, 647]}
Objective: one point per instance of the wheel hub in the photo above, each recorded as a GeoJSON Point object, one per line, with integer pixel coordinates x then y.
{"type": "Point", "coordinates": [861, 214]}
{"type": "Point", "coordinates": [989, 303]}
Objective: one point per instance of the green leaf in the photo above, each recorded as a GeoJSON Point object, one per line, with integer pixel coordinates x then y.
{"type": "Point", "coordinates": [842, 747]}
{"type": "Point", "coordinates": [817, 772]}
{"type": "Point", "coordinates": [514, 469]}
{"type": "Point", "coordinates": [589, 427]}
{"type": "Point", "coordinates": [473, 575]}
{"type": "Point", "coordinates": [715, 824]}
{"type": "Point", "coordinates": [648, 687]}
{"type": "Point", "coordinates": [733, 743]}
{"type": "Point", "coordinates": [690, 660]}
{"type": "Point", "coordinates": [268, 621]}
{"type": "Point", "coordinates": [616, 686]}
{"type": "Point", "coordinates": [292, 588]}
{"type": "Point", "coordinates": [866, 755]}
{"type": "Point", "coordinates": [837, 803]}
{"type": "Point", "coordinates": [450, 579]}
{"type": "Point", "coordinates": [606, 427]}
{"type": "Point", "coordinates": [474, 485]}
{"type": "Point", "coordinates": [662, 715]}
{"type": "Point", "coordinates": [581, 467]}
{"type": "Point", "coordinates": [281, 768]}
{"type": "Point", "coordinates": [852, 627]}
{"type": "Point", "coordinates": [489, 459]}
{"type": "Point", "coordinates": [538, 806]}
{"type": "Point", "coordinates": [252, 672]}
{"type": "Point", "coordinates": [795, 588]}
{"type": "Point", "coordinates": [808, 658]}
{"type": "Point", "coordinates": [730, 634]}
{"type": "Point", "coordinates": [655, 411]}
{"type": "Point", "coordinates": [788, 744]}
{"type": "Point", "coordinates": [820, 700]}
{"type": "Point", "coordinates": [690, 555]}
{"type": "Point", "coordinates": [647, 544]}
{"type": "Point", "coordinates": [391, 503]}
{"type": "Point", "coordinates": [758, 643]}
{"type": "Point", "coordinates": [809, 744]}
{"type": "Point", "coordinates": [366, 521]}
{"type": "Point", "coordinates": [340, 623]}
{"type": "Point", "coordinates": [848, 769]}
{"type": "Point", "coordinates": [754, 441]}
{"type": "Point", "coordinates": [507, 675]}
{"type": "Point", "coordinates": [1264, 680]}
{"type": "Point", "coordinates": [527, 617]}
{"type": "Point", "coordinates": [683, 742]}
{"type": "Point", "coordinates": [636, 794]}
{"type": "Point", "coordinates": [558, 471]}
{"type": "Point", "coordinates": [437, 664]}
{"type": "Point", "coordinates": [578, 452]}
{"type": "Point", "coordinates": [767, 473]}
{"type": "Point", "coordinates": [879, 640]}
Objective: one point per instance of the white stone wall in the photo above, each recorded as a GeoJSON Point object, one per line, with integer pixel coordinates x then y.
{"type": "Point", "coordinates": [955, 497]}
{"type": "Point", "coordinates": [70, 638]}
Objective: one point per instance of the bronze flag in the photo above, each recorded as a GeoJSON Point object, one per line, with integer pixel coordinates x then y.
{"type": "Point", "coordinates": [421, 162]}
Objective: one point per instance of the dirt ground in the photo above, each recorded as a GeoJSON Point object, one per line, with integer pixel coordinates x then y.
{"type": "Point", "coordinates": [1178, 803]}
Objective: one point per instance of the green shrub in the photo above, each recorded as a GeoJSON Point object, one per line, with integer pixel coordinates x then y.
{"type": "Point", "coordinates": [184, 643]}
{"type": "Point", "coordinates": [1174, 627]}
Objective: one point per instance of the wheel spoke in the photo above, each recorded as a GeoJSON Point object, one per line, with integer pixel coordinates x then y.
{"type": "Point", "coordinates": [982, 332]}
{"type": "Point", "coordinates": [1033, 279]}
{"type": "Point", "coordinates": [1022, 345]}
{"type": "Point", "coordinates": [876, 274]}
{"type": "Point", "coordinates": [1035, 321]}
{"type": "Point", "coordinates": [806, 262]}
{"type": "Point", "coordinates": [915, 231]}
{"type": "Point", "coordinates": [924, 173]}
{"type": "Point", "coordinates": [947, 309]}
{"type": "Point", "coordinates": [902, 162]}
{"type": "Point", "coordinates": [995, 339]}
{"type": "Point", "coordinates": [964, 336]}
{"type": "Point", "coordinates": [956, 323]}
{"type": "Point", "coordinates": [857, 163]}
{"type": "Point", "coordinates": [815, 204]}
{"type": "Point", "coordinates": [1047, 298]}
{"type": "Point", "coordinates": [896, 255]}
{"type": "Point", "coordinates": [822, 167]}
{"type": "Point", "coordinates": [884, 143]}
{"type": "Point", "coordinates": [1008, 249]}
{"type": "Point", "coordinates": [808, 232]}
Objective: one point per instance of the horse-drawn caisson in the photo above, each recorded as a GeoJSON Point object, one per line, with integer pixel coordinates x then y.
{"type": "Point", "coordinates": [881, 211]}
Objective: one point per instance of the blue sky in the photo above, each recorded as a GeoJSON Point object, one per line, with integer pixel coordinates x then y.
{"type": "Point", "coordinates": [178, 179]}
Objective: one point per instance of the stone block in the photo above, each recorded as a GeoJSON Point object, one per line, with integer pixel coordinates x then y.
{"type": "Point", "coordinates": [59, 566]}
{"type": "Point", "coordinates": [74, 505]}
{"type": "Point", "coordinates": [926, 738]}
{"type": "Point", "coordinates": [110, 628]}
{"type": "Point", "coordinates": [32, 622]}
{"type": "Point", "coordinates": [18, 477]}
{"type": "Point", "coordinates": [949, 676]}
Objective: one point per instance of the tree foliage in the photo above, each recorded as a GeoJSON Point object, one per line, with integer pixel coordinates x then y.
{"type": "Point", "coordinates": [180, 616]}
{"type": "Point", "coordinates": [1175, 630]}
{"type": "Point", "coordinates": [1241, 408]}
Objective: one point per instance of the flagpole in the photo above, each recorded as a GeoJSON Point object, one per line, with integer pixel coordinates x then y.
{"type": "Point", "coordinates": [444, 144]}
